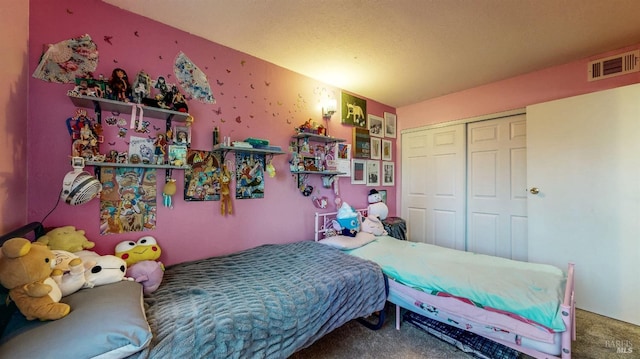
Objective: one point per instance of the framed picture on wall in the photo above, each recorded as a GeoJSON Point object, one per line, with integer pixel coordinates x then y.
{"type": "Point", "coordinates": [386, 150]}
{"type": "Point", "coordinates": [358, 171]}
{"type": "Point", "coordinates": [373, 173]}
{"type": "Point", "coordinates": [389, 125]}
{"type": "Point", "coordinates": [361, 143]}
{"type": "Point", "coordinates": [383, 195]}
{"type": "Point", "coordinates": [388, 173]}
{"type": "Point", "coordinates": [354, 111]}
{"type": "Point", "coordinates": [376, 148]}
{"type": "Point", "coordinates": [376, 126]}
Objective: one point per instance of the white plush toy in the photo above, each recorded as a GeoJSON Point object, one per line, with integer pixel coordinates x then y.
{"type": "Point", "coordinates": [373, 225]}
{"type": "Point", "coordinates": [376, 206]}
{"type": "Point", "coordinates": [86, 269]}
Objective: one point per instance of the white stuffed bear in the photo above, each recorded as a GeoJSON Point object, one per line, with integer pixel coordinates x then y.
{"type": "Point", "coordinates": [376, 206]}
{"type": "Point", "coordinates": [371, 224]}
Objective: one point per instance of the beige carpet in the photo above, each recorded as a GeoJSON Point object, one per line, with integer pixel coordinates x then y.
{"type": "Point", "coordinates": [597, 337]}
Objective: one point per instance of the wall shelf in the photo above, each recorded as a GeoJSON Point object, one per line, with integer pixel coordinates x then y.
{"type": "Point", "coordinates": [137, 165]}
{"type": "Point", "coordinates": [311, 137]}
{"type": "Point", "coordinates": [103, 104]}
{"type": "Point", "coordinates": [317, 138]}
{"type": "Point", "coordinates": [223, 150]}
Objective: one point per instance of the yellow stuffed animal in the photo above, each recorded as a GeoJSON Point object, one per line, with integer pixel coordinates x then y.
{"type": "Point", "coordinates": [66, 238]}
{"type": "Point", "coordinates": [25, 269]}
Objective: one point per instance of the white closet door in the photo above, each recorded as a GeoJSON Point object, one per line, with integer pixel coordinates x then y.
{"type": "Point", "coordinates": [583, 156]}
{"type": "Point", "coordinates": [433, 185]}
{"type": "Point", "coordinates": [497, 187]}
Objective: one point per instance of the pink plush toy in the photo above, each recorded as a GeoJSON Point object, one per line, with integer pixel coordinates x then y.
{"type": "Point", "coordinates": [147, 273]}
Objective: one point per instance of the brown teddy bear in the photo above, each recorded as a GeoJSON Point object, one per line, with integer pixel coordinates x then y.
{"type": "Point", "coordinates": [25, 269]}
{"type": "Point", "coordinates": [66, 238]}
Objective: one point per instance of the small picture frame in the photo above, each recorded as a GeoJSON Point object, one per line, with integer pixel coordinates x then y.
{"type": "Point", "coordinates": [386, 150]}
{"type": "Point", "coordinates": [178, 155]}
{"type": "Point", "coordinates": [383, 195]}
{"type": "Point", "coordinates": [361, 143]}
{"type": "Point", "coordinates": [358, 171]}
{"type": "Point", "coordinates": [388, 173]}
{"type": "Point", "coordinates": [389, 125]}
{"type": "Point", "coordinates": [373, 173]}
{"type": "Point", "coordinates": [376, 126]}
{"type": "Point", "coordinates": [375, 148]}
{"type": "Point", "coordinates": [182, 136]}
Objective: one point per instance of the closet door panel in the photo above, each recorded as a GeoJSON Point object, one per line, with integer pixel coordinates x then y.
{"type": "Point", "coordinates": [433, 192]}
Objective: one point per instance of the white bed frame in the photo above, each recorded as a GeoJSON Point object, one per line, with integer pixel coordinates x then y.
{"type": "Point", "coordinates": [324, 224]}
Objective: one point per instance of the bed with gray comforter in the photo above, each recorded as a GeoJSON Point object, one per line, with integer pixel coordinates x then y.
{"type": "Point", "coordinates": [265, 302]}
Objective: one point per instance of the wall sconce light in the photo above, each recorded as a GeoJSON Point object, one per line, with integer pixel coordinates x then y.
{"type": "Point", "coordinates": [329, 107]}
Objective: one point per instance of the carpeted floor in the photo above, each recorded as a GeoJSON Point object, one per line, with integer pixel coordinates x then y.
{"type": "Point", "coordinates": [597, 337]}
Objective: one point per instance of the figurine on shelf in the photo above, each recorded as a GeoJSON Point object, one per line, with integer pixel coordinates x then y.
{"type": "Point", "coordinates": [225, 191]}
{"type": "Point", "coordinates": [160, 151]}
{"type": "Point", "coordinates": [119, 85]}
{"type": "Point", "coordinates": [141, 87]}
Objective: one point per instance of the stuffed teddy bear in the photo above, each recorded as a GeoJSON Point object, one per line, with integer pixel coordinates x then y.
{"type": "Point", "coordinates": [25, 269]}
{"type": "Point", "coordinates": [372, 224]}
{"type": "Point", "coordinates": [141, 259]}
{"type": "Point", "coordinates": [376, 206]}
{"type": "Point", "coordinates": [66, 238]}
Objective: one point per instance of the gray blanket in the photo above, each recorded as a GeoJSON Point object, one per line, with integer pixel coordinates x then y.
{"type": "Point", "coordinates": [265, 302]}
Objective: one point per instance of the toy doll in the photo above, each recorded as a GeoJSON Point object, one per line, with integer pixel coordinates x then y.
{"type": "Point", "coordinates": [160, 151]}
{"type": "Point", "coordinates": [119, 85]}
{"type": "Point", "coordinates": [225, 191]}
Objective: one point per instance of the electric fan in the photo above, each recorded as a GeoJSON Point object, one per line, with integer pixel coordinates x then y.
{"type": "Point", "coordinates": [78, 186]}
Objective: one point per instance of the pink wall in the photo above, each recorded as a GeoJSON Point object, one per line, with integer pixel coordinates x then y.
{"type": "Point", "coordinates": [14, 20]}
{"type": "Point", "coordinates": [517, 92]}
{"type": "Point", "coordinates": [256, 99]}
{"type": "Point", "coordinates": [514, 93]}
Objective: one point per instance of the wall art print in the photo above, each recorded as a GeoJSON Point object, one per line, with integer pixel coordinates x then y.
{"type": "Point", "coordinates": [201, 178]}
{"type": "Point", "coordinates": [249, 175]}
{"type": "Point", "coordinates": [128, 199]}
{"type": "Point", "coordinates": [354, 111]}
{"type": "Point", "coordinates": [68, 59]}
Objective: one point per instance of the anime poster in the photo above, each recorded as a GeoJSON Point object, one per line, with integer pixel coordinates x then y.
{"type": "Point", "coordinates": [249, 175]}
{"type": "Point", "coordinates": [128, 199]}
{"type": "Point", "coordinates": [201, 179]}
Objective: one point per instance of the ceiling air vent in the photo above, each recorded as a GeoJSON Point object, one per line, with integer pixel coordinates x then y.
{"type": "Point", "coordinates": [614, 65]}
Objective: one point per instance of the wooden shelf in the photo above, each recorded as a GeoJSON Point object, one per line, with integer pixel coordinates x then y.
{"type": "Point", "coordinates": [103, 104]}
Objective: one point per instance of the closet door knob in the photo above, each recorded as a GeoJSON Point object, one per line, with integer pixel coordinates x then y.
{"type": "Point", "coordinates": [534, 190]}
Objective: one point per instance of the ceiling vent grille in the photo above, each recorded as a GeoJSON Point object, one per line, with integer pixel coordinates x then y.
{"type": "Point", "coordinates": [614, 65]}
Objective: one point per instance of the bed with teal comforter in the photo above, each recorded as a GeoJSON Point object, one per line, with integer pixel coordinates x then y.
{"type": "Point", "coordinates": [265, 302]}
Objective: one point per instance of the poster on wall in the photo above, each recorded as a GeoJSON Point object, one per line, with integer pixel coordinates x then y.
{"type": "Point", "coordinates": [354, 111]}
{"type": "Point", "coordinates": [342, 162]}
{"type": "Point", "coordinates": [249, 175]}
{"type": "Point", "coordinates": [201, 178]}
{"type": "Point", "coordinates": [128, 199]}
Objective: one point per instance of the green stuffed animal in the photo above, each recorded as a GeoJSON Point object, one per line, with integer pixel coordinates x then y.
{"type": "Point", "coordinates": [25, 269]}
{"type": "Point", "coordinates": [66, 238]}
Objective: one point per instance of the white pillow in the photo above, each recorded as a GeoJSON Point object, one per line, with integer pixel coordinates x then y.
{"type": "Point", "coordinates": [346, 242]}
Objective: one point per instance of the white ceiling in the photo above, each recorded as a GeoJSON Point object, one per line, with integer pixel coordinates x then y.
{"type": "Point", "coordinates": [401, 52]}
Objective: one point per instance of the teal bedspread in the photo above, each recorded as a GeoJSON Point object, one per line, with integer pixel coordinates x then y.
{"type": "Point", "coordinates": [265, 302]}
{"type": "Point", "coordinates": [530, 290]}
